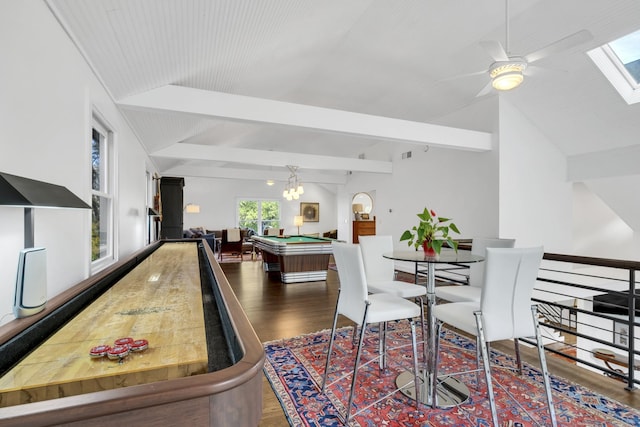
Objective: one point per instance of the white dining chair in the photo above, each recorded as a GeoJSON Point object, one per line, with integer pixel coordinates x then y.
{"type": "Point", "coordinates": [459, 293]}
{"type": "Point", "coordinates": [504, 311]}
{"type": "Point", "coordinates": [362, 308]}
{"type": "Point", "coordinates": [381, 275]}
{"type": "Point", "coordinates": [380, 271]}
{"type": "Point", "coordinates": [472, 292]}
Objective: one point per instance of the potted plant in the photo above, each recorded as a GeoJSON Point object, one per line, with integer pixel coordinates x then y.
{"type": "Point", "coordinates": [431, 233]}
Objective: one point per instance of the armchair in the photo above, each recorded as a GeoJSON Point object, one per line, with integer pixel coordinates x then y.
{"type": "Point", "coordinates": [273, 231]}
{"type": "Point", "coordinates": [231, 243]}
{"type": "Point", "coordinates": [331, 234]}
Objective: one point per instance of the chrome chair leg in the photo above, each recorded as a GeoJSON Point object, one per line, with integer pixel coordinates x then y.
{"type": "Point", "coordinates": [543, 365]}
{"type": "Point", "coordinates": [333, 334]}
{"type": "Point", "coordinates": [478, 359]}
{"type": "Point", "coordinates": [355, 365]}
{"type": "Point", "coordinates": [382, 346]}
{"type": "Point", "coordinates": [487, 367]}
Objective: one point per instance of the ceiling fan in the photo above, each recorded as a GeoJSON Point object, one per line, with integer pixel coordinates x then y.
{"type": "Point", "coordinates": [507, 71]}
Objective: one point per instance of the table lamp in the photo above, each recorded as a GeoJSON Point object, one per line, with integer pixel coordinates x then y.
{"type": "Point", "coordinates": [357, 208]}
{"type": "Point", "coordinates": [298, 220]}
{"type": "Point", "coordinates": [31, 283]}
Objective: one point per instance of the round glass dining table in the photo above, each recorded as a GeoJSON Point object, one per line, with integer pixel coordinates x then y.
{"type": "Point", "coordinates": [444, 391]}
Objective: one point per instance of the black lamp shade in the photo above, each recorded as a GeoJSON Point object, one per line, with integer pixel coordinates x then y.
{"type": "Point", "coordinates": [25, 192]}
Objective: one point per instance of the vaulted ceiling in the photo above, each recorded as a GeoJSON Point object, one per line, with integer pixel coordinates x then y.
{"type": "Point", "coordinates": [242, 88]}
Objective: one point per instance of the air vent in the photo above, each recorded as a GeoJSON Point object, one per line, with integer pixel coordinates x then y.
{"type": "Point", "coordinates": [406, 155]}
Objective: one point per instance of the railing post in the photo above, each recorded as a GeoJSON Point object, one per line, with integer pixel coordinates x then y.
{"type": "Point", "coordinates": [632, 328]}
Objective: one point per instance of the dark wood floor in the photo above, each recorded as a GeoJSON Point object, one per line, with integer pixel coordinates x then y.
{"type": "Point", "coordinates": [281, 311]}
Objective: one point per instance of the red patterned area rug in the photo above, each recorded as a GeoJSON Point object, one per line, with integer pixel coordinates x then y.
{"type": "Point", "coordinates": [295, 367]}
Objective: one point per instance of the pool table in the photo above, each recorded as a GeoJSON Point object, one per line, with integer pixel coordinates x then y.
{"type": "Point", "coordinates": [203, 365]}
{"type": "Point", "coordinates": [293, 259]}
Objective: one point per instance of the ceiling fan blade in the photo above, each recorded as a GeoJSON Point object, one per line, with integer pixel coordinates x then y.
{"type": "Point", "coordinates": [495, 50]}
{"type": "Point", "coordinates": [485, 90]}
{"type": "Point", "coordinates": [534, 70]}
{"type": "Point", "coordinates": [460, 76]}
{"type": "Point", "coordinates": [560, 45]}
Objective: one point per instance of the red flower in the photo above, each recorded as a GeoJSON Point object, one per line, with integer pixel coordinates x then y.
{"type": "Point", "coordinates": [433, 213]}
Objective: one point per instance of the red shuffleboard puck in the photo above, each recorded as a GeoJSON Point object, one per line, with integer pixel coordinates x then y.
{"type": "Point", "coordinates": [118, 352]}
{"type": "Point", "coordinates": [99, 351]}
{"type": "Point", "coordinates": [124, 341]}
{"type": "Point", "coordinates": [139, 345]}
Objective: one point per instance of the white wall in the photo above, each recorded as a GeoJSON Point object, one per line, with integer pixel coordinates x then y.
{"type": "Point", "coordinates": [598, 231]}
{"type": "Point", "coordinates": [535, 197]}
{"type": "Point", "coordinates": [539, 205]}
{"type": "Point", "coordinates": [47, 93]}
{"type": "Point", "coordinates": [460, 185]}
{"type": "Point", "coordinates": [218, 199]}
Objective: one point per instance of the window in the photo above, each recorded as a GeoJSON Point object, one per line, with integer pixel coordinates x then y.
{"type": "Point", "coordinates": [619, 61]}
{"type": "Point", "coordinates": [627, 51]}
{"type": "Point", "coordinates": [259, 214]}
{"type": "Point", "coordinates": [101, 195]}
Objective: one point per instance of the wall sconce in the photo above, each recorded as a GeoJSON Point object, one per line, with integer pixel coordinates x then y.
{"type": "Point", "coordinates": [192, 208]}
{"type": "Point", "coordinates": [298, 221]}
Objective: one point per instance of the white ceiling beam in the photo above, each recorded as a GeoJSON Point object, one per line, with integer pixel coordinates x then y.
{"type": "Point", "coordinates": [279, 177]}
{"type": "Point", "coordinates": [249, 109]}
{"type": "Point", "coordinates": [271, 158]}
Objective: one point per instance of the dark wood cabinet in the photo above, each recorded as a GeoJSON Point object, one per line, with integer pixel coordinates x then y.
{"type": "Point", "coordinates": [363, 228]}
{"type": "Point", "coordinates": [172, 202]}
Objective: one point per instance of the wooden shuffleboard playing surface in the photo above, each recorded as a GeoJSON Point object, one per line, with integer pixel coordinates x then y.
{"type": "Point", "coordinates": [160, 300]}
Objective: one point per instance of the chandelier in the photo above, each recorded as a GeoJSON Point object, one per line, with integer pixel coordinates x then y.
{"type": "Point", "coordinates": [293, 189]}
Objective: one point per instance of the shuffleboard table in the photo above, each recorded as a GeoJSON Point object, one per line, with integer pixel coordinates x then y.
{"type": "Point", "coordinates": [203, 365]}
{"type": "Point", "coordinates": [294, 259]}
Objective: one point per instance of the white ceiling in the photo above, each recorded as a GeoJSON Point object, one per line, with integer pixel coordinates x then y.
{"type": "Point", "coordinates": [387, 59]}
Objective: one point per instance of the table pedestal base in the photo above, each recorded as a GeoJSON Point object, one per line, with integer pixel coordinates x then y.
{"type": "Point", "coordinates": [450, 391]}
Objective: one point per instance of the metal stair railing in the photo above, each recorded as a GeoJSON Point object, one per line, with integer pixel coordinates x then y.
{"type": "Point", "coordinates": [610, 297]}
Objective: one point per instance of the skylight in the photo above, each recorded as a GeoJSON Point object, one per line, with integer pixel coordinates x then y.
{"type": "Point", "coordinates": [619, 61]}
{"type": "Point", "coordinates": [627, 50]}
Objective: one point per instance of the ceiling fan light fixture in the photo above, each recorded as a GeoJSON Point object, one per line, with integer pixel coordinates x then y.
{"type": "Point", "coordinates": [507, 76]}
{"type": "Point", "coordinates": [507, 81]}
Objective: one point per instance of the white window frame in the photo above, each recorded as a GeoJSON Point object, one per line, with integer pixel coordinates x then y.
{"type": "Point", "coordinates": [260, 201]}
{"type": "Point", "coordinates": [107, 190]}
{"type": "Point", "coordinates": [609, 64]}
